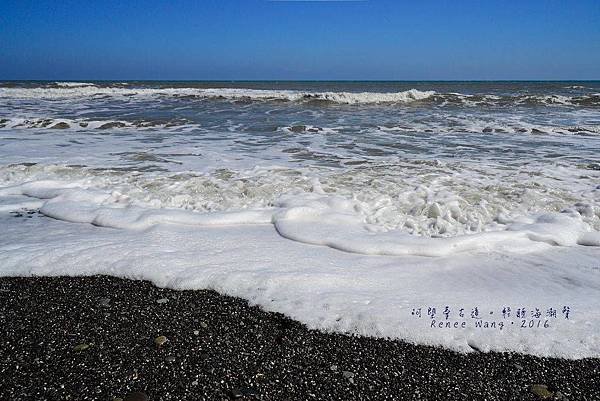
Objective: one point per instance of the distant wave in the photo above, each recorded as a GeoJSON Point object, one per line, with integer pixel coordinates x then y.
{"type": "Point", "coordinates": [77, 90]}
{"type": "Point", "coordinates": [517, 99]}
{"type": "Point", "coordinates": [73, 84]}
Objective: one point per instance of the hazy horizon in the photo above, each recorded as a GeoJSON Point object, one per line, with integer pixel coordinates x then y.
{"type": "Point", "coordinates": [306, 80]}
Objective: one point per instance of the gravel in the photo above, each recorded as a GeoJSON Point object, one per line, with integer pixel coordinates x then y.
{"type": "Point", "coordinates": [93, 338]}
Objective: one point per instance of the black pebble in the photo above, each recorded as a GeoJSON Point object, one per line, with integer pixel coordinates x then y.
{"type": "Point", "coordinates": [235, 393]}
{"type": "Point", "coordinates": [136, 396]}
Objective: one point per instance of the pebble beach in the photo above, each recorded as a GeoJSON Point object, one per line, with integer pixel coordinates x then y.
{"type": "Point", "coordinates": [105, 338]}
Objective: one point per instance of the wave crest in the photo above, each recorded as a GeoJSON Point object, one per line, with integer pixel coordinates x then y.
{"type": "Point", "coordinates": [77, 90]}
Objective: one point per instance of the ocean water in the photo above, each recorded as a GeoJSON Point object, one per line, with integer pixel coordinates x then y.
{"type": "Point", "coordinates": [349, 206]}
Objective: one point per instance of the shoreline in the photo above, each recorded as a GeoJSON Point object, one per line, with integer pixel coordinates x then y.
{"type": "Point", "coordinates": [95, 338]}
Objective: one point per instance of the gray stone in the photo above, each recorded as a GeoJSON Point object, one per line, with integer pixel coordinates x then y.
{"type": "Point", "coordinates": [541, 390]}
{"type": "Point", "coordinates": [81, 347]}
{"type": "Point", "coordinates": [160, 340]}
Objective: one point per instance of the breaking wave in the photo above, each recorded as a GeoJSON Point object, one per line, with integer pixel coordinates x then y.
{"type": "Point", "coordinates": [76, 90]}
{"type": "Point", "coordinates": [54, 123]}
{"type": "Point", "coordinates": [73, 84]}
{"type": "Point", "coordinates": [460, 125]}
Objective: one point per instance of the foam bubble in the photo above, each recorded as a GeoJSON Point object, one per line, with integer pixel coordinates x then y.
{"type": "Point", "coordinates": [314, 218]}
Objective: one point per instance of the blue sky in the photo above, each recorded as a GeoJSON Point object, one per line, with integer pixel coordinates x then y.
{"type": "Point", "coordinates": [260, 39]}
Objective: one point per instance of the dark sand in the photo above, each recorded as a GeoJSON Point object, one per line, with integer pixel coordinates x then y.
{"type": "Point", "coordinates": [219, 347]}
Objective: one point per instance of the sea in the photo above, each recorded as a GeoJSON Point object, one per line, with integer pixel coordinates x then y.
{"type": "Point", "coordinates": [386, 209]}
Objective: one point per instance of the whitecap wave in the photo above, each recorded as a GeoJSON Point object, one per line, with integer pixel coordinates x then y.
{"type": "Point", "coordinates": [75, 91]}
{"type": "Point", "coordinates": [73, 84]}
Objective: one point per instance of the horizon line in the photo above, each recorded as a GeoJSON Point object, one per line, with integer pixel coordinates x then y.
{"type": "Point", "coordinates": [295, 80]}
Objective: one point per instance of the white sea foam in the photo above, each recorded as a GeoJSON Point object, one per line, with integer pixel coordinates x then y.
{"type": "Point", "coordinates": [241, 254]}
{"type": "Point", "coordinates": [441, 200]}
{"type": "Point", "coordinates": [253, 234]}
{"type": "Point", "coordinates": [312, 218]}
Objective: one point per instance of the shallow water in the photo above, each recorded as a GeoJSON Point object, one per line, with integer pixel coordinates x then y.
{"type": "Point", "coordinates": [489, 148]}
{"type": "Point", "coordinates": [459, 170]}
